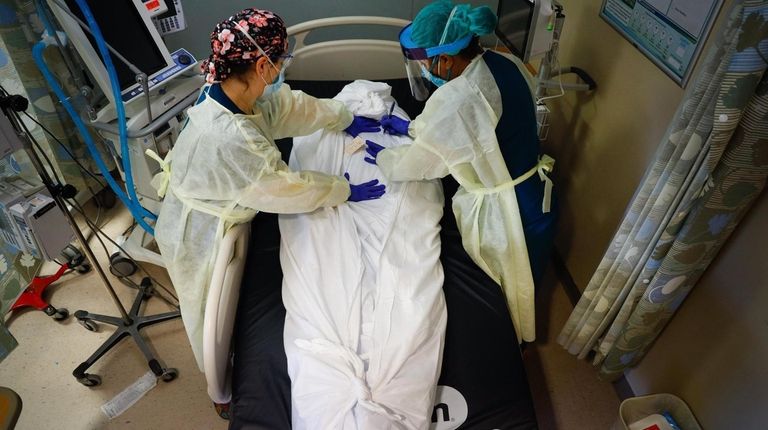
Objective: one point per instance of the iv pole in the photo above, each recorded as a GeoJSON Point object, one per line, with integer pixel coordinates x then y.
{"type": "Point", "coordinates": [130, 322]}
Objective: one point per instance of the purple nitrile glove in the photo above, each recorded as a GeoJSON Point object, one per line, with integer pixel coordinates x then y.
{"type": "Point", "coordinates": [395, 125]}
{"type": "Point", "coordinates": [370, 190]}
{"type": "Point", "coordinates": [373, 149]}
{"type": "Point", "coordinates": [361, 124]}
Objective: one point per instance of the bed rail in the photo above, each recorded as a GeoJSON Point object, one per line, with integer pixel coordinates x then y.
{"type": "Point", "coordinates": [348, 59]}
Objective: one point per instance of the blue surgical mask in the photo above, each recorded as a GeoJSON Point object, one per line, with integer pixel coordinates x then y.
{"type": "Point", "coordinates": [274, 87]}
{"type": "Point", "coordinates": [437, 80]}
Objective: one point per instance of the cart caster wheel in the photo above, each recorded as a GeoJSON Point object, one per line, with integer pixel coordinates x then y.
{"type": "Point", "coordinates": [89, 325]}
{"type": "Point", "coordinates": [121, 266]}
{"type": "Point", "coordinates": [83, 268]}
{"type": "Point", "coordinates": [90, 380]}
{"type": "Point", "coordinates": [169, 374]}
{"type": "Point", "coordinates": [61, 314]}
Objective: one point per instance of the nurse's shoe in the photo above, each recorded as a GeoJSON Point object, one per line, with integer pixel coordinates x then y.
{"type": "Point", "coordinates": [222, 409]}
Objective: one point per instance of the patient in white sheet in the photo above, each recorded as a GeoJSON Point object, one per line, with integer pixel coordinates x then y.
{"type": "Point", "coordinates": [362, 288]}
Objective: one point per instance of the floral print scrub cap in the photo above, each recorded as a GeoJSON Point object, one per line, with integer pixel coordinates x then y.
{"type": "Point", "coordinates": [230, 47]}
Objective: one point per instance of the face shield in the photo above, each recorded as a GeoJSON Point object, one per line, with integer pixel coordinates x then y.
{"type": "Point", "coordinates": [417, 58]}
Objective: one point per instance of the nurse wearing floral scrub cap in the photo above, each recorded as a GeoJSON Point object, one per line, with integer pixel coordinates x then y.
{"type": "Point", "coordinates": [225, 167]}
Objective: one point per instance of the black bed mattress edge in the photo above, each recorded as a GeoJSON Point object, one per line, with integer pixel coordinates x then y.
{"type": "Point", "coordinates": [481, 360]}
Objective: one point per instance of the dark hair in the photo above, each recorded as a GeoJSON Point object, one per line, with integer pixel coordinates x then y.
{"type": "Point", "coordinates": [238, 70]}
{"type": "Point", "coordinates": [472, 50]}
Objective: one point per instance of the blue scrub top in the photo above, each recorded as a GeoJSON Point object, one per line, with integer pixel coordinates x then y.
{"type": "Point", "coordinates": [517, 133]}
{"type": "Point", "coordinates": [217, 93]}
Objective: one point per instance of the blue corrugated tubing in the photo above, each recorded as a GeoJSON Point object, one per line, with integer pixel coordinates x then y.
{"type": "Point", "coordinates": [122, 123]}
{"type": "Point", "coordinates": [37, 55]}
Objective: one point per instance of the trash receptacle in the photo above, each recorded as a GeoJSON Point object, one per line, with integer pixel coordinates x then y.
{"type": "Point", "coordinates": [636, 408]}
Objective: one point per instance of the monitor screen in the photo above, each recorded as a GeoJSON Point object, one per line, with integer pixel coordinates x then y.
{"type": "Point", "coordinates": [123, 28]}
{"type": "Point", "coordinates": [514, 23]}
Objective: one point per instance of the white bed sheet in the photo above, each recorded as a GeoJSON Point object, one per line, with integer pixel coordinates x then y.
{"type": "Point", "coordinates": [365, 313]}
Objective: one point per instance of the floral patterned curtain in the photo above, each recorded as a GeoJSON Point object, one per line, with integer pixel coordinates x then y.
{"type": "Point", "coordinates": [710, 168]}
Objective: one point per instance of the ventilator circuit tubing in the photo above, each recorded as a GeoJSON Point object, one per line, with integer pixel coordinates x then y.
{"type": "Point", "coordinates": [106, 57]}
{"type": "Point", "coordinates": [132, 202]}
{"type": "Point", "coordinates": [37, 55]}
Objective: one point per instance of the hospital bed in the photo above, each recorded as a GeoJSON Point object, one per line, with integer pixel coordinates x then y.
{"type": "Point", "coordinates": [483, 383]}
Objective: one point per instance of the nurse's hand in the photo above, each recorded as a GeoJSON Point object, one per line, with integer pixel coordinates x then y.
{"type": "Point", "coordinates": [370, 190]}
{"type": "Point", "coordinates": [395, 125]}
{"type": "Point", "coordinates": [361, 124]}
{"type": "Point", "coordinates": [373, 149]}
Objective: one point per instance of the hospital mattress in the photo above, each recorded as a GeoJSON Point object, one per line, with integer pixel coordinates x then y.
{"type": "Point", "coordinates": [483, 383]}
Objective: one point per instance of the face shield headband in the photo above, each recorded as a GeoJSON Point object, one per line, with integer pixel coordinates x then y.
{"type": "Point", "coordinates": [415, 56]}
{"type": "Point", "coordinates": [413, 52]}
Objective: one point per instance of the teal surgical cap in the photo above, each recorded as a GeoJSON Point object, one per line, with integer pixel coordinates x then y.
{"type": "Point", "coordinates": [430, 23]}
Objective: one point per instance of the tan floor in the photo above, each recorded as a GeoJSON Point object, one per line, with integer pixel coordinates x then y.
{"type": "Point", "coordinates": [40, 368]}
{"type": "Point", "coordinates": [567, 392]}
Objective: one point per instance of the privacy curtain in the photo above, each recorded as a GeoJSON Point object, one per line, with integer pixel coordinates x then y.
{"type": "Point", "coordinates": [709, 169]}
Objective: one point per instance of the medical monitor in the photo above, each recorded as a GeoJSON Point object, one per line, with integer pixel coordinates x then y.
{"type": "Point", "coordinates": [525, 27]}
{"type": "Point", "coordinates": [123, 27]}
{"type": "Point", "coordinates": [127, 27]}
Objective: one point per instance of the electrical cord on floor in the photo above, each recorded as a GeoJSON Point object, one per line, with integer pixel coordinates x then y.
{"type": "Point", "coordinates": [100, 232]}
{"type": "Point", "coordinates": [98, 215]}
{"type": "Point", "coordinates": [130, 228]}
{"type": "Point", "coordinates": [131, 284]}
{"type": "Point", "coordinates": [122, 276]}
